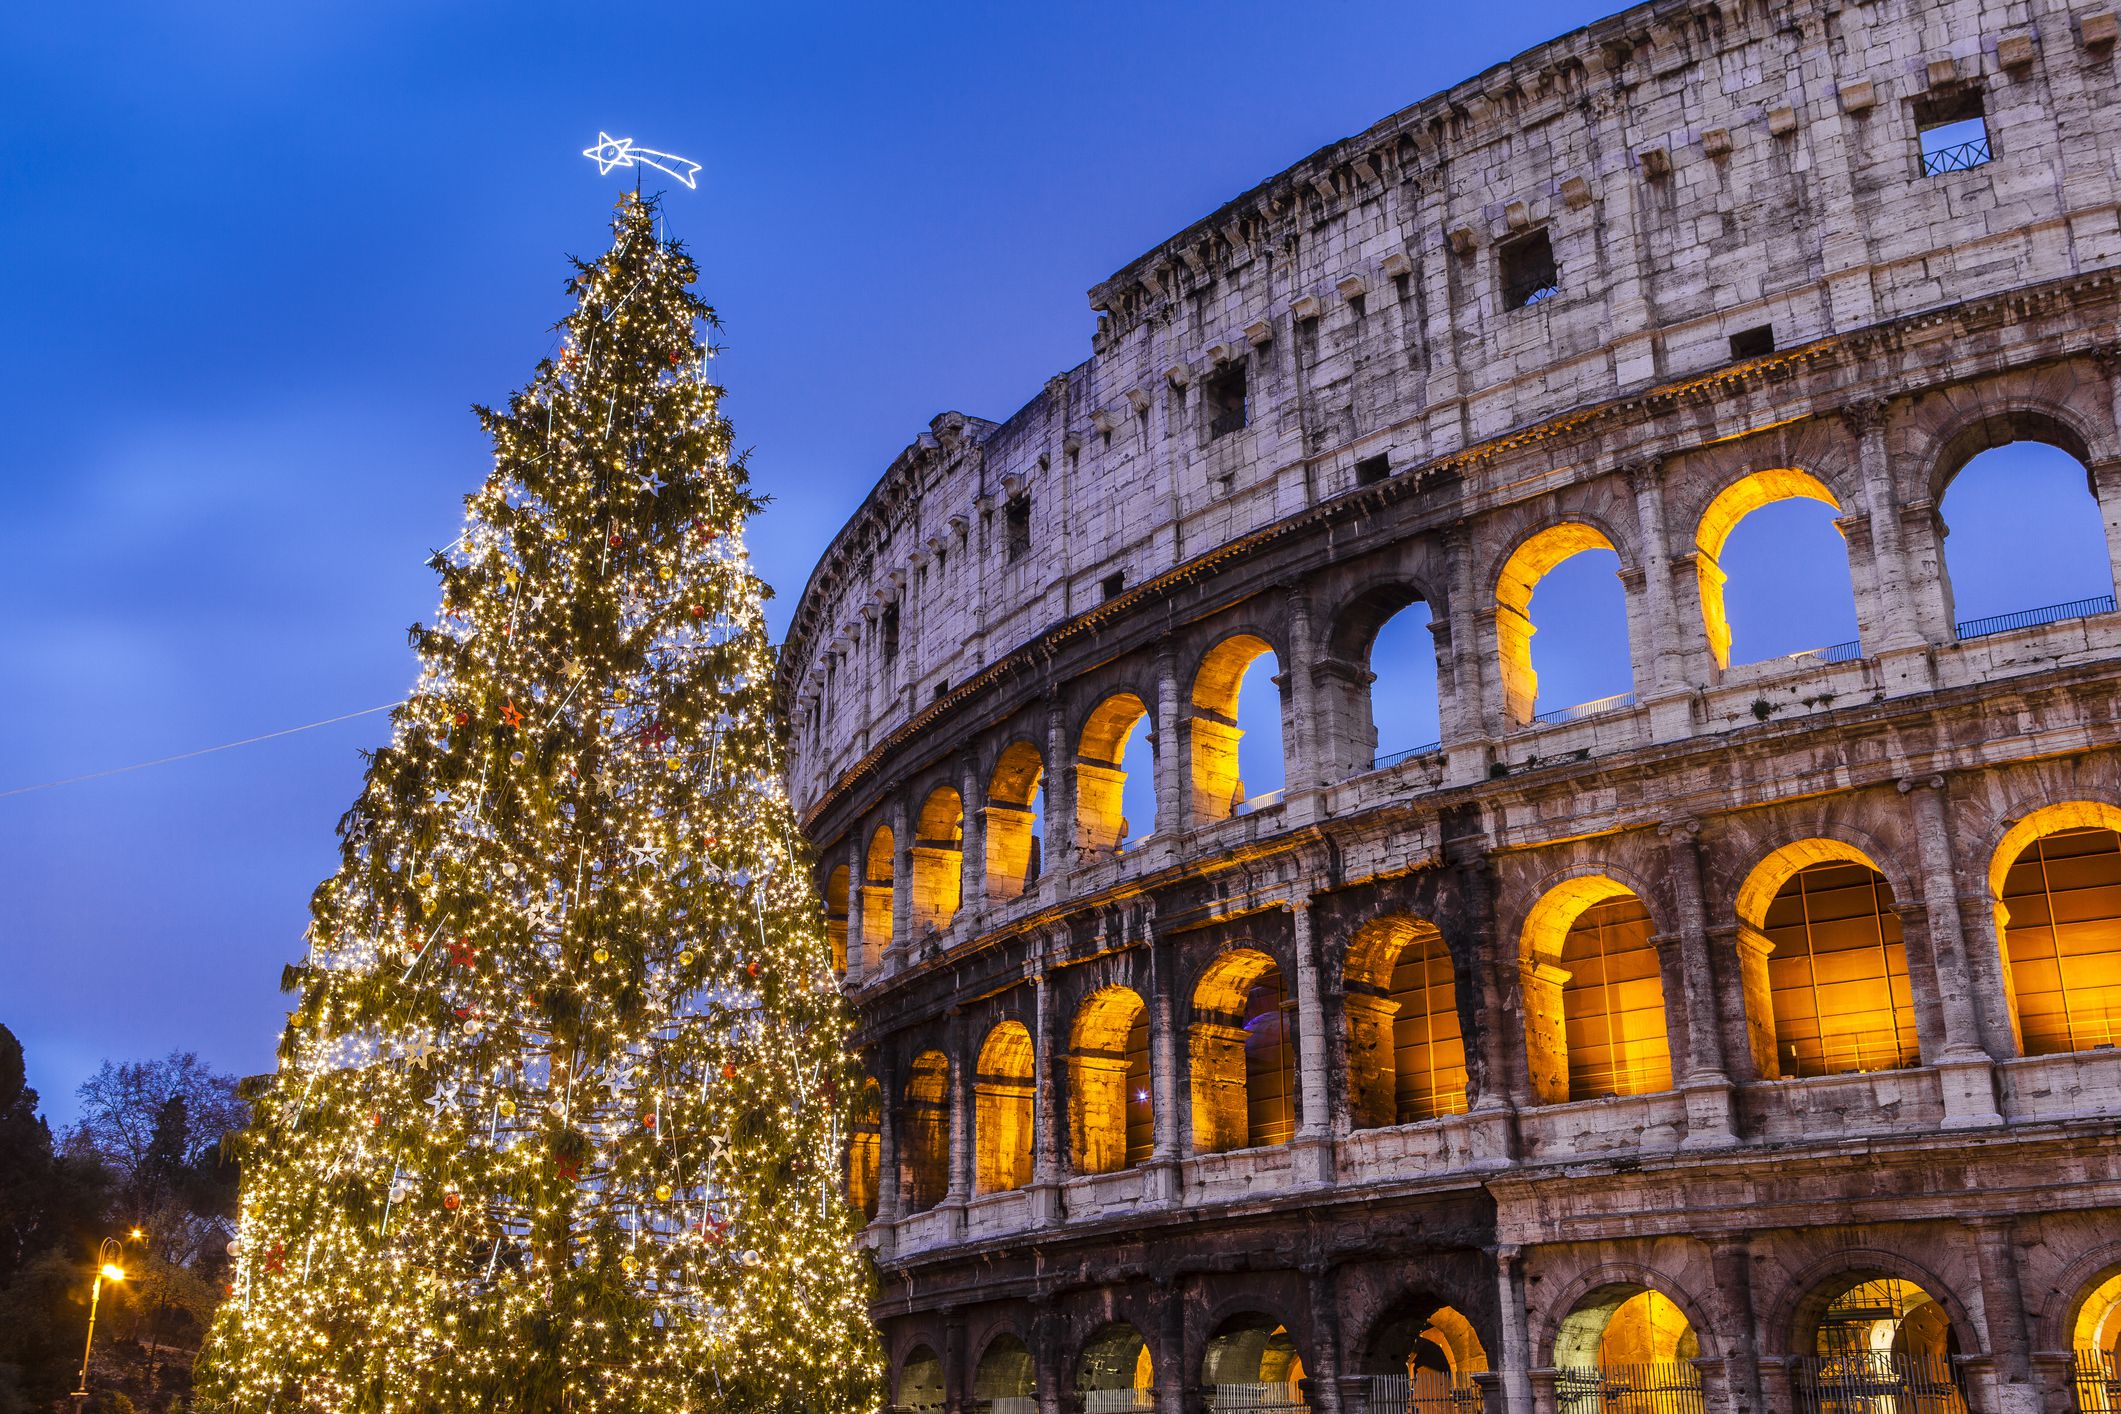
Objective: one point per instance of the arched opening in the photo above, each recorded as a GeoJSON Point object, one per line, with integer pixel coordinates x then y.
{"type": "Point", "coordinates": [1015, 820]}
{"type": "Point", "coordinates": [2095, 1337]}
{"type": "Point", "coordinates": [920, 1381]}
{"type": "Point", "coordinates": [1377, 697]}
{"type": "Point", "coordinates": [1251, 1364]}
{"type": "Point", "coordinates": [1405, 714]}
{"type": "Point", "coordinates": [1589, 665]}
{"type": "Point", "coordinates": [1001, 1102]}
{"type": "Point", "coordinates": [865, 1148]}
{"type": "Point", "coordinates": [926, 1127]}
{"type": "Point", "coordinates": [1406, 1052]}
{"type": "Point", "coordinates": [938, 860]}
{"type": "Point", "coordinates": [1867, 1336]}
{"type": "Point", "coordinates": [877, 871]}
{"type": "Point", "coordinates": [1103, 776]}
{"type": "Point", "coordinates": [1243, 1062]}
{"type": "Point", "coordinates": [1593, 995]}
{"type": "Point", "coordinates": [2027, 540]}
{"type": "Point", "coordinates": [1422, 1359]}
{"type": "Point", "coordinates": [1236, 729]}
{"type": "Point", "coordinates": [1626, 1348]}
{"type": "Point", "coordinates": [1116, 1375]}
{"type": "Point", "coordinates": [836, 900]}
{"type": "Point", "coordinates": [1005, 1381]}
{"type": "Point", "coordinates": [1773, 569]}
{"type": "Point", "coordinates": [1111, 1122]}
{"type": "Point", "coordinates": [1823, 965]}
{"type": "Point", "coordinates": [2058, 913]}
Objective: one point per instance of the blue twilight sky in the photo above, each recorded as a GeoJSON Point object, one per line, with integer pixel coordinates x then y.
{"type": "Point", "coordinates": [263, 256]}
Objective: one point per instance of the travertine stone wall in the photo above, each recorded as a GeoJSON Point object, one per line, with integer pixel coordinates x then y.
{"type": "Point", "coordinates": [1013, 598]}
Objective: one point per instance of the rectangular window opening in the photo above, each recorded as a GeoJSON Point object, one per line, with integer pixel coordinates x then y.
{"type": "Point", "coordinates": [1953, 131]}
{"type": "Point", "coordinates": [1528, 272]}
{"type": "Point", "coordinates": [1017, 514]}
{"type": "Point", "coordinates": [1371, 470]}
{"type": "Point", "coordinates": [890, 632]}
{"type": "Point", "coordinates": [1224, 399]}
{"type": "Point", "coordinates": [1754, 342]}
{"type": "Point", "coordinates": [1115, 584]}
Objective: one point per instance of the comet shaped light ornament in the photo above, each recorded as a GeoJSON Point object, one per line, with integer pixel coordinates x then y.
{"type": "Point", "coordinates": [613, 152]}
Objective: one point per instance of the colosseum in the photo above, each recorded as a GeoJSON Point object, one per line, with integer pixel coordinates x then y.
{"type": "Point", "coordinates": [1744, 1040]}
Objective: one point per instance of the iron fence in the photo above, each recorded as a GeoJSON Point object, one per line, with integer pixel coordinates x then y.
{"type": "Point", "coordinates": [1118, 1401]}
{"type": "Point", "coordinates": [2033, 618]}
{"type": "Point", "coordinates": [1394, 758]}
{"type": "Point", "coordinates": [1430, 1392]}
{"type": "Point", "coordinates": [1847, 652]}
{"type": "Point", "coordinates": [2096, 1381]}
{"type": "Point", "coordinates": [1876, 1382]}
{"type": "Point", "coordinates": [1585, 709]}
{"type": "Point", "coordinates": [1256, 1399]}
{"type": "Point", "coordinates": [1663, 1387]}
{"type": "Point", "coordinates": [1959, 157]}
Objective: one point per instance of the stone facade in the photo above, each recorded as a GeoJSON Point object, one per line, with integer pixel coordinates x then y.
{"type": "Point", "coordinates": [1294, 1097]}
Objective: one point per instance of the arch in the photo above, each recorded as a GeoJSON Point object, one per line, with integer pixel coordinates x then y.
{"type": "Point", "coordinates": [925, 1124]}
{"type": "Point", "coordinates": [1593, 985]}
{"type": "Point", "coordinates": [1823, 964]}
{"type": "Point", "coordinates": [938, 884]}
{"type": "Point", "coordinates": [2016, 490]}
{"type": "Point", "coordinates": [1006, 1379]}
{"type": "Point", "coordinates": [1111, 1124]}
{"type": "Point", "coordinates": [1722, 515]}
{"type": "Point", "coordinates": [1867, 1328]}
{"type": "Point", "coordinates": [1533, 559]}
{"type": "Point", "coordinates": [1251, 1362]}
{"type": "Point", "coordinates": [1014, 817]}
{"type": "Point", "coordinates": [1217, 727]}
{"type": "Point", "coordinates": [1243, 1064]}
{"type": "Point", "coordinates": [865, 1147]}
{"type": "Point", "coordinates": [836, 901]}
{"type": "Point", "coordinates": [1116, 1374]}
{"type": "Point", "coordinates": [2055, 885]}
{"type": "Point", "coordinates": [1406, 1049]}
{"type": "Point", "coordinates": [1628, 1338]}
{"type": "Point", "coordinates": [1379, 684]}
{"type": "Point", "coordinates": [878, 865]}
{"type": "Point", "coordinates": [1001, 1110]}
{"type": "Point", "coordinates": [919, 1385]}
{"type": "Point", "coordinates": [2095, 1319]}
{"type": "Point", "coordinates": [1100, 776]}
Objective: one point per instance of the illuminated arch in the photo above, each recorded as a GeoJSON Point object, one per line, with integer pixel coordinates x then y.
{"type": "Point", "coordinates": [1243, 1064]}
{"type": "Point", "coordinates": [1823, 965]}
{"type": "Point", "coordinates": [1116, 1374]}
{"type": "Point", "coordinates": [1215, 730]}
{"type": "Point", "coordinates": [1001, 1103]}
{"type": "Point", "coordinates": [1731, 505]}
{"type": "Point", "coordinates": [1593, 989]}
{"type": "Point", "coordinates": [2096, 1325]}
{"type": "Point", "coordinates": [1006, 1379]}
{"type": "Point", "coordinates": [2055, 885]}
{"type": "Point", "coordinates": [1255, 1357]}
{"type": "Point", "coordinates": [1630, 1326]}
{"type": "Point", "coordinates": [864, 1147]}
{"type": "Point", "coordinates": [1406, 1051]}
{"type": "Point", "coordinates": [938, 860]}
{"type": "Point", "coordinates": [1529, 563]}
{"type": "Point", "coordinates": [1100, 779]}
{"type": "Point", "coordinates": [1111, 1122]}
{"type": "Point", "coordinates": [836, 909]}
{"type": "Point", "coordinates": [1422, 1356]}
{"type": "Point", "coordinates": [925, 1128]}
{"type": "Point", "coordinates": [1014, 795]}
{"type": "Point", "coordinates": [878, 866]}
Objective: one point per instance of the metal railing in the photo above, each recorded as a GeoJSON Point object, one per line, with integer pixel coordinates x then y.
{"type": "Point", "coordinates": [1008, 1404]}
{"type": "Point", "coordinates": [1394, 758]}
{"type": "Point", "coordinates": [1876, 1382]}
{"type": "Point", "coordinates": [2033, 618]}
{"type": "Point", "coordinates": [1118, 1401]}
{"type": "Point", "coordinates": [2096, 1381]}
{"type": "Point", "coordinates": [1256, 1399]}
{"type": "Point", "coordinates": [1260, 802]}
{"type": "Point", "coordinates": [1430, 1392]}
{"type": "Point", "coordinates": [1666, 1387]}
{"type": "Point", "coordinates": [1585, 709]}
{"type": "Point", "coordinates": [1959, 157]}
{"type": "Point", "coordinates": [1847, 652]}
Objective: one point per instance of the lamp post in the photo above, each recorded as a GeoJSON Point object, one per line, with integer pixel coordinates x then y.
{"type": "Point", "coordinates": [107, 1269]}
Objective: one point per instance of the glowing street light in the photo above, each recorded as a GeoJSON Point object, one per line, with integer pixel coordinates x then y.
{"type": "Point", "coordinates": [107, 1270]}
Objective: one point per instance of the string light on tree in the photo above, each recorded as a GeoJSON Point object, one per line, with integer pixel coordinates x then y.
{"type": "Point", "coordinates": [557, 1118]}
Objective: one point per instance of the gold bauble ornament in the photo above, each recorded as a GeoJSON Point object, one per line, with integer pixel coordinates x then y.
{"type": "Point", "coordinates": [662, 1192]}
{"type": "Point", "coordinates": [602, 954]}
{"type": "Point", "coordinates": [507, 1109]}
{"type": "Point", "coordinates": [685, 958]}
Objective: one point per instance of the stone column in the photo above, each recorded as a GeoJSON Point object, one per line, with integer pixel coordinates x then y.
{"type": "Point", "coordinates": [1045, 1111]}
{"type": "Point", "coordinates": [1167, 1110]}
{"type": "Point", "coordinates": [1964, 1068]}
{"type": "Point", "coordinates": [1324, 1376]}
{"type": "Point", "coordinates": [1731, 1258]}
{"type": "Point", "coordinates": [1897, 638]}
{"type": "Point", "coordinates": [901, 881]}
{"type": "Point", "coordinates": [957, 1363]}
{"type": "Point", "coordinates": [1303, 770]}
{"type": "Point", "coordinates": [1705, 1079]}
{"type": "Point", "coordinates": [1516, 1356]}
{"type": "Point", "coordinates": [2106, 485]}
{"type": "Point", "coordinates": [1469, 719]}
{"type": "Point", "coordinates": [972, 850]}
{"type": "Point", "coordinates": [859, 962]}
{"type": "Point", "coordinates": [1046, 1369]}
{"type": "Point", "coordinates": [2003, 1312]}
{"type": "Point", "coordinates": [1663, 673]}
{"type": "Point", "coordinates": [1173, 771]}
{"type": "Point", "coordinates": [890, 1187]}
{"type": "Point", "coordinates": [1312, 1148]}
{"type": "Point", "coordinates": [1171, 1364]}
{"type": "Point", "coordinates": [962, 1152]}
{"type": "Point", "coordinates": [1057, 849]}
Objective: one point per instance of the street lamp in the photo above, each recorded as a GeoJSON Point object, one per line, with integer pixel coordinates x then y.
{"type": "Point", "coordinates": [107, 1269]}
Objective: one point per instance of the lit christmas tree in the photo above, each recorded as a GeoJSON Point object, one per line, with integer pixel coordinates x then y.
{"type": "Point", "coordinates": [558, 1115]}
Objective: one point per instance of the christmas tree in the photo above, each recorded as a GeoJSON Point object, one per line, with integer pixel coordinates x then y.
{"type": "Point", "coordinates": [558, 1115]}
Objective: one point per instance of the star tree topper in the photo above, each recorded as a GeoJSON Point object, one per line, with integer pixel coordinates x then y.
{"type": "Point", "coordinates": [611, 152]}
